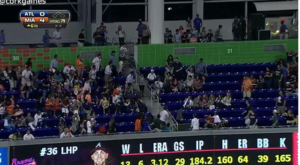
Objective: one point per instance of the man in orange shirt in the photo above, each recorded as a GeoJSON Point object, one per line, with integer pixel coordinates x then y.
{"type": "Point", "coordinates": [79, 66]}
{"type": "Point", "coordinates": [48, 106]}
{"type": "Point", "coordinates": [247, 87]}
{"type": "Point", "coordinates": [56, 105]}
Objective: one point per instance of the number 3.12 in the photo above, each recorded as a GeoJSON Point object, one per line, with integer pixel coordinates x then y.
{"type": "Point", "coordinates": [229, 50]}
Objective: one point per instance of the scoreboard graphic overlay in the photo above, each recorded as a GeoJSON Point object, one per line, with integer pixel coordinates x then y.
{"type": "Point", "coordinates": [45, 18]}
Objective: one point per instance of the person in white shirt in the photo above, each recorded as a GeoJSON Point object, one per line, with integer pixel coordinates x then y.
{"type": "Point", "coordinates": [90, 124]}
{"type": "Point", "coordinates": [108, 72]}
{"type": "Point", "coordinates": [38, 119]}
{"type": "Point", "coordinates": [26, 74]}
{"type": "Point", "coordinates": [164, 114]}
{"type": "Point", "coordinates": [123, 52]}
{"type": "Point", "coordinates": [87, 86]}
{"type": "Point", "coordinates": [217, 120]}
{"type": "Point", "coordinates": [69, 70]}
{"type": "Point", "coordinates": [66, 134]}
{"type": "Point", "coordinates": [2, 111]}
{"type": "Point", "coordinates": [57, 37]}
{"type": "Point", "coordinates": [97, 62]}
{"type": "Point", "coordinates": [121, 34]}
{"type": "Point", "coordinates": [188, 84]}
{"type": "Point", "coordinates": [158, 86]}
{"type": "Point", "coordinates": [188, 102]}
{"type": "Point", "coordinates": [151, 77]}
{"type": "Point", "coordinates": [92, 75]}
{"type": "Point", "coordinates": [130, 78]}
{"type": "Point", "coordinates": [227, 100]}
{"type": "Point", "coordinates": [195, 123]}
{"type": "Point", "coordinates": [28, 136]}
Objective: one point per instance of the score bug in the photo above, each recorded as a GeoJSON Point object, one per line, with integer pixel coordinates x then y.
{"type": "Point", "coordinates": [45, 18]}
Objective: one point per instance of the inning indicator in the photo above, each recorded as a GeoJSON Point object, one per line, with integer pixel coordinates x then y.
{"type": "Point", "coordinates": [45, 18]}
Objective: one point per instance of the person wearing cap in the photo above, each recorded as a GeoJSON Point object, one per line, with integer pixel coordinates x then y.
{"type": "Point", "coordinates": [282, 30]}
{"type": "Point", "coordinates": [197, 23]}
{"type": "Point", "coordinates": [68, 70]}
{"type": "Point", "coordinates": [57, 37]}
{"type": "Point", "coordinates": [218, 35]}
{"type": "Point", "coordinates": [274, 119]}
{"type": "Point", "coordinates": [100, 156]}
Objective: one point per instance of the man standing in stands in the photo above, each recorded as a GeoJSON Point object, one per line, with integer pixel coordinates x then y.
{"type": "Point", "coordinates": [54, 64]}
{"type": "Point", "coordinates": [97, 37]}
{"type": "Point", "coordinates": [81, 38]}
{"type": "Point", "coordinates": [200, 69]}
{"type": "Point", "coordinates": [46, 39]}
{"type": "Point", "coordinates": [177, 69]}
{"type": "Point", "coordinates": [57, 37]}
{"type": "Point", "coordinates": [2, 39]}
{"type": "Point", "coordinates": [197, 23]}
{"type": "Point", "coordinates": [140, 29]}
{"type": "Point", "coordinates": [237, 30]}
{"type": "Point", "coordinates": [283, 29]}
{"type": "Point", "coordinates": [97, 63]}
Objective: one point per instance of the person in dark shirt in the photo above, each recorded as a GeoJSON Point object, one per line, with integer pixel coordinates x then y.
{"type": "Point", "coordinates": [283, 29]}
{"type": "Point", "coordinates": [289, 59]}
{"type": "Point", "coordinates": [209, 36]}
{"type": "Point", "coordinates": [237, 30]}
{"type": "Point", "coordinates": [289, 89]}
{"type": "Point", "coordinates": [157, 124]}
{"type": "Point", "coordinates": [97, 37]}
{"type": "Point", "coordinates": [279, 60]}
{"type": "Point", "coordinates": [277, 77]}
{"type": "Point", "coordinates": [28, 63]}
{"type": "Point", "coordinates": [184, 38]}
{"type": "Point", "coordinates": [177, 69]}
{"type": "Point", "coordinates": [46, 86]}
{"type": "Point", "coordinates": [81, 38]}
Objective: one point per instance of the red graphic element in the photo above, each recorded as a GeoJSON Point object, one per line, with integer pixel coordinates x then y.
{"type": "Point", "coordinates": [19, 50]}
{"type": "Point", "coordinates": [26, 54]}
{"type": "Point", "coordinates": [46, 58]}
{"type": "Point", "coordinates": [2, 51]}
{"type": "Point", "coordinates": [39, 65]}
{"type": "Point", "coordinates": [40, 54]}
{"type": "Point", "coordinates": [32, 50]}
{"type": "Point", "coordinates": [0, 59]}
{"type": "Point", "coordinates": [74, 49]}
{"type": "Point", "coordinates": [20, 63]}
{"type": "Point", "coordinates": [46, 50]}
{"type": "Point", "coordinates": [46, 69]}
{"type": "Point", "coordinates": [5, 55]}
{"type": "Point", "coordinates": [208, 150]}
{"type": "Point", "coordinates": [25, 50]}
{"type": "Point", "coordinates": [295, 148]}
{"type": "Point", "coordinates": [60, 61]}
{"type": "Point", "coordinates": [33, 58]}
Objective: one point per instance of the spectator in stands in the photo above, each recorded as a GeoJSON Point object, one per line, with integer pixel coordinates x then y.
{"type": "Point", "coordinates": [274, 119]}
{"type": "Point", "coordinates": [14, 77]}
{"type": "Point", "coordinates": [177, 37]}
{"type": "Point", "coordinates": [57, 37]}
{"type": "Point", "coordinates": [290, 118]}
{"type": "Point", "coordinates": [289, 58]}
{"type": "Point", "coordinates": [195, 123]}
{"type": "Point", "coordinates": [28, 63]}
{"type": "Point", "coordinates": [140, 28]}
{"type": "Point", "coordinates": [97, 62]}
{"type": "Point", "coordinates": [247, 87]}
{"type": "Point", "coordinates": [65, 106]}
{"type": "Point", "coordinates": [190, 72]}
{"type": "Point", "coordinates": [209, 36]}
{"type": "Point", "coordinates": [197, 84]}
{"type": "Point", "coordinates": [7, 76]}
{"type": "Point", "coordinates": [2, 111]}
{"type": "Point", "coordinates": [251, 119]}
{"type": "Point", "coordinates": [158, 87]}
{"type": "Point", "coordinates": [197, 23]}
{"type": "Point", "coordinates": [189, 26]}
{"type": "Point", "coordinates": [13, 136]}
{"type": "Point", "coordinates": [66, 134]}
{"type": "Point", "coordinates": [111, 126]}
{"type": "Point", "coordinates": [260, 82]}
{"type": "Point", "coordinates": [226, 101]}
{"type": "Point", "coordinates": [46, 39]}
{"type": "Point", "coordinates": [188, 84]}
{"type": "Point", "coordinates": [151, 77]}
{"type": "Point", "coordinates": [168, 35]}
{"type": "Point", "coordinates": [205, 101]}
{"type": "Point", "coordinates": [283, 29]}
{"type": "Point", "coordinates": [79, 66]}
{"type": "Point", "coordinates": [108, 72]}
{"type": "Point", "coordinates": [175, 85]}
{"type": "Point", "coordinates": [237, 30]}
{"type": "Point", "coordinates": [81, 38]}
{"type": "Point", "coordinates": [156, 125]}
{"type": "Point", "coordinates": [218, 34]}
{"type": "Point", "coordinates": [177, 69]}
{"type": "Point", "coordinates": [39, 121]}
{"type": "Point", "coordinates": [146, 35]}
{"type": "Point", "coordinates": [28, 136]}
{"type": "Point", "coordinates": [289, 90]}
{"type": "Point", "coordinates": [69, 71]}
{"type": "Point", "coordinates": [281, 103]}
{"type": "Point", "coordinates": [164, 114]}
{"type": "Point", "coordinates": [54, 64]}
{"type": "Point", "coordinates": [197, 102]}
{"type": "Point", "coordinates": [2, 39]}
{"type": "Point", "coordinates": [113, 59]}
{"type": "Point", "coordinates": [217, 120]}
{"type": "Point", "coordinates": [201, 69]}
{"type": "Point", "coordinates": [92, 76]}
{"type": "Point", "coordinates": [185, 38]}
{"type": "Point", "coordinates": [82, 127]}
{"type": "Point", "coordinates": [103, 34]}
{"type": "Point", "coordinates": [8, 123]}
{"type": "Point", "coordinates": [188, 103]}
{"type": "Point", "coordinates": [104, 102]}
{"type": "Point", "coordinates": [169, 64]}
{"type": "Point", "coordinates": [26, 78]}
{"type": "Point", "coordinates": [268, 78]}
{"type": "Point", "coordinates": [285, 74]}
{"type": "Point", "coordinates": [138, 123]}
{"type": "Point", "coordinates": [202, 36]}
{"type": "Point", "coordinates": [209, 121]}
{"type": "Point", "coordinates": [97, 37]}
{"type": "Point", "coordinates": [181, 30]}
{"type": "Point", "coordinates": [30, 121]}
{"type": "Point", "coordinates": [211, 102]}
{"type": "Point", "coordinates": [121, 34]}
{"type": "Point", "coordinates": [218, 102]}
{"type": "Point", "coordinates": [279, 60]}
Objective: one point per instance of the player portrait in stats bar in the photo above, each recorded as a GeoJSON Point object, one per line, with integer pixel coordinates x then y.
{"type": "Point", "coordinates": [45, 18]}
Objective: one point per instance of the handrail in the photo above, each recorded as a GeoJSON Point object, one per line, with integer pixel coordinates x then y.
{"type": "Point", "coordinates": [36, 42]}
